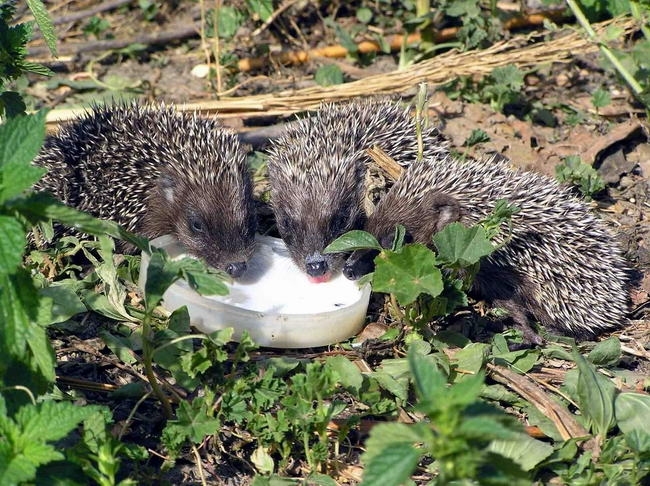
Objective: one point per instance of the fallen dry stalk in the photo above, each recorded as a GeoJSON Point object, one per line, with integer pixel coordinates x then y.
{"type": "Point", "coordinates": [436, 71]}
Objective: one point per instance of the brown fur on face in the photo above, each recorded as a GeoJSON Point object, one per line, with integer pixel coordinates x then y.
{"type": "Point", "coordinates": [216, 223]}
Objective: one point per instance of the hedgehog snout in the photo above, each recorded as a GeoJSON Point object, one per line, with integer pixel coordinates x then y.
{"type": "Point", "coordinates": [360, 263]}
{"type": "Point", "coordinates": [316, 268]}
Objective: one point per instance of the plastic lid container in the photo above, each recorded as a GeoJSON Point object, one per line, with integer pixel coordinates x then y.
{"type": "Point", "coordinates": [274, 301]}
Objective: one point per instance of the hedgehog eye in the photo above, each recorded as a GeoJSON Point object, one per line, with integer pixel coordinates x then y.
{"type": "Point", "coordinates": [196, 224]}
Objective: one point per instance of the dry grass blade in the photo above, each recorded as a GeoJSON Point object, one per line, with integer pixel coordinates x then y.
{"type": "Point", "coordinates": [385, 162]}
{"type": "Point", "coordinates": [566, 424]}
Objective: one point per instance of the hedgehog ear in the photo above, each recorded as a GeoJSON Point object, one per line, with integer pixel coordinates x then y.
{"type": "Point", "coordinates": [446, 208]}
{"type": "Point", "coordinates": [166, 184]}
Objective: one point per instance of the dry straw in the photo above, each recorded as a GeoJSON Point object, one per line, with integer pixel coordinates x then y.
{"type": "Point", "coordinates": [523, 52]}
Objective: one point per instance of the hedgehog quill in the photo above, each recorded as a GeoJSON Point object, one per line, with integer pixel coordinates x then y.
{"type": "Point", "coordinates": [317, 173]}
{"type": "Point", "coordinates": [157, 171]}
{"type": "Point", "coordinates": [561, 265]}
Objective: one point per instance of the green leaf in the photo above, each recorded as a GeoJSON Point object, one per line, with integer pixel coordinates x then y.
{"type": "Point", "coordinates": [353, 240]}
{"type": "Point", "coordinates": [329, 75]}
{"type": "Point", "coordinates": [524, 450]}
{"type": "Point", "coordinates": [348, 375]}
{"type": "Point", "coordinates": [472, 357]}
{"type": "Point", "coordinates": [66, 302]}
{"type": "Point", "coordinates": [18, 301]}
{"type": "Point", "coordinates": [632, 412]}
{"type": "Point", "coordinates": [50, 420]}
{"type": "Point", "coordinates": [477, 136]}
{"type": "Point", "coordinates": [606, 353]}
{"type": "Point", "coordinates": [601, 98]}
{"type": "Point", "coordinates": [596, 395]}
{"type": "Point", "coordinates": [206, 283]}
{"type": "Point", "coordinates": [262, 460]}
{"type": "Point", "coordinates": [230, 19]}
{"type": "Point", "coordinates": [12, 244]}
{"type": "Point", "coordinates": [459, 245]}
{"type": "Point", "coordinates": [12, 103]}
{"type": "Point", "coordinates": [20, 140]}
{"type": "Point", "coordinates": [428, 380]}
{"type": "Point", "coordinates": [392, 466]}
{"type": "Point", "coordinates": [44, 22]}
{"type": "Point", "coordinates": [160, 275]}
{"type": "Point", "coordinates": [364, 15]}
{"type": "Point", "coordinates": [263, 8]}
{"type": "Point", "coordinates": [408, 273]}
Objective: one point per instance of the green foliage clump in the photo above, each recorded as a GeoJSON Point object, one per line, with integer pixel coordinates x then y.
{"type": "Point", "coordinates": [574, 171]}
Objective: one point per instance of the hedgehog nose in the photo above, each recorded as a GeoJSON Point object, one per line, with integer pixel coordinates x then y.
{"type": "Point", "coordinates": [236, 270]}
{"type": "Point", "coordinates": [350, 272]}
{"type": "Point", "coordinates": [317, 268]}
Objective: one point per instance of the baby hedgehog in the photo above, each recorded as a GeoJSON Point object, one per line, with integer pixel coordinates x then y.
{"type": "Point", "coordinates": [317, 174]}
{"type": "Point", "coordinates": [157, 171]}
{"type": "Point", "coordinates": [561, 265]}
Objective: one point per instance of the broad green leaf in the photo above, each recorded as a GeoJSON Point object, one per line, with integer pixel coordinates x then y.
{"type": "Point", "coordinates": [347, 373]}
{"type": "Point", "coordinates": [328, 75]}
{"type": "Point", "coordinates": [18, 300]}
{"type": "Point", "coordinates": [206, 283]}
{"type": "Point", "coordinates": [66, 302]}
{"type": "Point", "coordinates": [20, 140]}
{"type": "Point", "coordinates": [393, 465]}
{"type": "Point", "coordinates": [639, 441]}
{"type": "Point", "coordinates": [460, 245]}
{"type": "Point", "coordinates": [121, 347]}
{"type": "Point", "coordinates": [262, 460]}
{"type": "Point", "coordinates": [606, 353]}
{"type": "Point", "coordinates": [472, 358]}
{"type": "Point", "coordinates": [465, 391]}
{"type": "Point", "coordinates": [387, 433]}
{"type": "Point", "coordinates": [408, 273]}
{"type": "Point", "coordinates": [263, 8]}
{"type": "Point", "coordinates": [50, 420]}
{"type": "Point", "coordinates": [19, 467]}
{"type": "Point", "coordinates": [12, 244]}
{"type": "Point", "coordinates": [428, 379]}
{"type": "Point", "coordinates": [632, 412]}
{"type": "Point", "coordinates": [160, 275]}
{"type": "Point", "coordinates": [44, 22]}
{"type": "Point", "coordinates": [230, 19]}
{"type": "Point", "coordinates": [524, 450]}
{"type": "Point", "coordinates": [13, 104]}
{"type": "Point", "coordinates": [596, 395]}
{"type": "Point", "coordinates": [364, 15]}
{"type": "Point", "coordinates": [42, 354]}
{"type": "Point", "coordinates": [353, 240]}
{"type": "Point", "coordinates": [486, 428]}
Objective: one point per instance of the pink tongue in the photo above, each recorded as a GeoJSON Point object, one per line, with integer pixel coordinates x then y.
{"type": "Point", "coordinates": [320, 278]}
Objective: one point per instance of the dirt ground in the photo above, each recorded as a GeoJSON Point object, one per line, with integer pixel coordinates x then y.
{"type": "Point", "coordinates": [614, 140]}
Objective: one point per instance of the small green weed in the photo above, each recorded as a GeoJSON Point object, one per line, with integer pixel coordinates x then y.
{"type": "Point", "coordinates": [501, 89]}
{"type": "Point", "coordinates": [582, 175]}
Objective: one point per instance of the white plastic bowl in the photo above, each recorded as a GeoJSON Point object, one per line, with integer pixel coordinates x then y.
{"type": "Point", "coordinates": [274, 301]}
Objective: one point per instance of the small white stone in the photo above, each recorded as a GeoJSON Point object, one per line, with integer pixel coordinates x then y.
{"type": "Point", "coordinates": [200, 71]}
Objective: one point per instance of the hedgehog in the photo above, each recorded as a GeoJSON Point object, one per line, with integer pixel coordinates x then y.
{"type": "Point", "coordinates": [560, 264]}
{"type": "Point", "coordinates": [156, 171]}
{"type": "Point", "coordinates": [317, 173]}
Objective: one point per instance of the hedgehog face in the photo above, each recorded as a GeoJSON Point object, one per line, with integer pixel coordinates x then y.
{"type": "Point", "coordinates": [215, 222]}
{"type": "Point", "coordinates": [311, 223]}
{"type": "Point", "coordinates": [421, 219]}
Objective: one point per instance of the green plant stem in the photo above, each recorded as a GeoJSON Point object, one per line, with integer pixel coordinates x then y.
{"type": "Point", "coordinates": [420, 103]}
{"type": "Point", "coordinates": [607, 52]}
{"type": "Point", "coordinates": [636, 13]}
{"type": "Point", "coordinates": [147, 358]}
